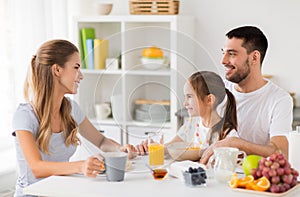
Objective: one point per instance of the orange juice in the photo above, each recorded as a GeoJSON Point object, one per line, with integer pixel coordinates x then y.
{"type": "Point", "coordinates": [156, 154]}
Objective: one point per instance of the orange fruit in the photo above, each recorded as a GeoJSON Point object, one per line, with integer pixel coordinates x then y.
{"type": "Point", "coordinates": [242, 182]}
{"type": "Point", "coordinates": [261, 184]}
{"type": "Point", "coordinates": [152, 52]}
{"type": "Point", "coordinates": [250, 185]}
{"type": "Point", "coordinates": [233, 181]}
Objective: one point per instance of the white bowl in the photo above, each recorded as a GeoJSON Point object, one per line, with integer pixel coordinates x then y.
{"type": "Point", "coordinates": [153, 63]}
{"type": "Point", "coordinates": [104, 8]}
{"type": "Point", "coordinates": [180, 151]}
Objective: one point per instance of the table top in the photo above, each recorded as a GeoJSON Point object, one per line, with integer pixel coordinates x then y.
{"type": "Point", "coordinates": [138, 182]}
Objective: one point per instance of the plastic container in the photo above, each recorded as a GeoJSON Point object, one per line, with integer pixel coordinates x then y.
{"type": "Point", "coordinates": [195, 179]}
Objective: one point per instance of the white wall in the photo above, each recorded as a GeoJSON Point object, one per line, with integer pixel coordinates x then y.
{"type": "Point", "coordinates": [278, 19]}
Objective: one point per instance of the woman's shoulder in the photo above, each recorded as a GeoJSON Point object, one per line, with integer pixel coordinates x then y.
{"type": "Point", "coordinates": [24, 118]}
{"type": "Point", "coordinates": [25, 111]}
{"type": "Point", "coordinates": [25, 107]}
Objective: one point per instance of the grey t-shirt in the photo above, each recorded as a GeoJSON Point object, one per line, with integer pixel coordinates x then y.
{"type": "Point", "coordinates": [25, 119]}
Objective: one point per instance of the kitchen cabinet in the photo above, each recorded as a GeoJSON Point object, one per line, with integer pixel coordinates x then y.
{"type": "Point", "coordinates": [127, 37]}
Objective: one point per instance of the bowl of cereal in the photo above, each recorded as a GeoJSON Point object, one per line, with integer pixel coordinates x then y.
{"type": "Point", "coordinates": [180, 151]}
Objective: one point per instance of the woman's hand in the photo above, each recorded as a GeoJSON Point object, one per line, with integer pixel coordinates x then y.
{"type": "Point", "coordinates": [93, 166]}
{"type": "Point", "coordinates": [130, 149]}
{"type": "Point", "coordinates": [142, 148]}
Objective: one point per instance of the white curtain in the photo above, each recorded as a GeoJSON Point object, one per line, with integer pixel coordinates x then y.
{"type": "Point", "coordinates": [24, 25]}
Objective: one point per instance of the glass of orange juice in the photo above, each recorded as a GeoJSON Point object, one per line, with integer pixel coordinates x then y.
{"type": "Point", "coordinates": [156, 148]}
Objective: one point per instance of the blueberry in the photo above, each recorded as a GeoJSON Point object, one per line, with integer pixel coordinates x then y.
{"type": "Point", "coordinates": [191, 170]}
{"type": "Point", "coordinates": [200, 169]}
{"type": "Point", "coordinates": [204, 175]}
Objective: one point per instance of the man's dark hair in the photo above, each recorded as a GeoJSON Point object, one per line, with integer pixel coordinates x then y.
{"type": "Point", "coordinates": [254, 39]}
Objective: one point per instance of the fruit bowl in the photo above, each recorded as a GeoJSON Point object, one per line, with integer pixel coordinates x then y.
{"type": "Point", "coordinates": [180, 151]}
{"type": "Point", "coordinates": [153, 63]}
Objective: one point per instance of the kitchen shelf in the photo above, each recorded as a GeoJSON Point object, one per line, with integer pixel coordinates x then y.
{"type": "Point", "coordinates": [127, 36]}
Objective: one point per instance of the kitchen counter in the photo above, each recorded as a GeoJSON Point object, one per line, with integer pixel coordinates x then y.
{"type": "Point", "coordinates": [138, 182]}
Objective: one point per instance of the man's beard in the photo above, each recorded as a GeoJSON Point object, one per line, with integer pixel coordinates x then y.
{"type": "Point", "coordinates": [241, 74]}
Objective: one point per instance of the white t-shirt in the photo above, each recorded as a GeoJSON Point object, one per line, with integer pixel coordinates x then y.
{"type": "Point", "coordinates": [263, 113]}
{"type": "Point", "coordinates": [193, 131]}
{"type": "Point", "coordinates": [25, 119]}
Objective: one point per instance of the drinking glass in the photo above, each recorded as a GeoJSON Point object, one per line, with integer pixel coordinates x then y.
{"type": "Point", "coordinates": [156, 148]}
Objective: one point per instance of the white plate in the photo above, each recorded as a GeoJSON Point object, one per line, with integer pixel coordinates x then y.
{"type": "Point", "coordinates": [266, 193]}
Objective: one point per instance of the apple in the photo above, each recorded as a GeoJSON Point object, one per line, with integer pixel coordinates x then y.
{"type": "Point", "coordinates": [250, 162]}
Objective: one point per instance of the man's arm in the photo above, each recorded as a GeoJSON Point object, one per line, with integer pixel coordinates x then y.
{"type": "Point", "coordinates": [277, 143]}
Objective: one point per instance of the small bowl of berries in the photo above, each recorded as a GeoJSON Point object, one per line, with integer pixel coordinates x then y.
{"type": "Point", "coordinates": [195, 177]}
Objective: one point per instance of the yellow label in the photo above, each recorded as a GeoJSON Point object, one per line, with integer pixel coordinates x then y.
{"type": "Point", "coordinates": [156, 154]}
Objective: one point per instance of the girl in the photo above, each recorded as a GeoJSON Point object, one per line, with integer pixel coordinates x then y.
{"type": "Point", "coordinates": [46, 126]}
{"type": "Point", "coordinates": [204, 93]}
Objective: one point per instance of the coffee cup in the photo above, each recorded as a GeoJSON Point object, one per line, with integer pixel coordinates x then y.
{"type": "Point", "coordinates": [115, 165]}
{"type": "Point", "coordinates": [102, 111]}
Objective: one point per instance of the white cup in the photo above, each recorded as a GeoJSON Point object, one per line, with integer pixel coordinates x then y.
{"type": "Point", "coordinates": [112, 64]}
{"type": "Point", "coordinates": [102, 111]}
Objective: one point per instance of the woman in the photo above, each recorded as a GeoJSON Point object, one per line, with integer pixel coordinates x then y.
{"type": "Point", "coordinates": [46, 127]}
{"type": "Point", "coordinates": [204, 93]}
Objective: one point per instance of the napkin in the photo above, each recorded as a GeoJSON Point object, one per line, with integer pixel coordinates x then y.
{"type": "Point", "coordinates": [294, 147]}
{"type": "Point", "coordinates": [178, 167]}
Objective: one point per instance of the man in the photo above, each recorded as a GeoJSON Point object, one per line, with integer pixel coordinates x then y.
{"type": "Point", "coordinates": [264, 110]}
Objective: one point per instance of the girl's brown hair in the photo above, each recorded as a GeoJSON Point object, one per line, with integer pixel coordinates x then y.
{"type": "Point", "coordinates": [38, 90]}
{"type": "Point", "coordinates": [205, 83]}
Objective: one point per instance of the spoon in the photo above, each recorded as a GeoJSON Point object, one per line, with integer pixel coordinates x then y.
{"type": "Point", "coordinates": [147, 165]}
{"type": "Point", "coordinates": [158, 174]}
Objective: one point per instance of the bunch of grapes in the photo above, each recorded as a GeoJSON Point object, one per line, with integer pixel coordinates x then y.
{"type": "Point", "coordinates": [279, 172]}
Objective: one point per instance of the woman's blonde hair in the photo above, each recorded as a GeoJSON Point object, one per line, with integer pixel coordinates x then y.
{"type": "Point", "coordinates": [38, 90]}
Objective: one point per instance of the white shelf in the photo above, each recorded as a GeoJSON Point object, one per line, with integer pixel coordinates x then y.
{"type": "Point", "coordinates": [127, 36]}
{"type": "Point", "coordinates": [166, 125]}
{"type": "Point", "coordinates": [97, 72]}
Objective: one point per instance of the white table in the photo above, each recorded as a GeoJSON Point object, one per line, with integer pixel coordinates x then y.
{"type": "Point", "coordinates": [138, 182]}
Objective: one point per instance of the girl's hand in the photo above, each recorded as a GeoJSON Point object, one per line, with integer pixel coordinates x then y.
{"type": "Point", "coordinates": [93, 166]}
{"type": "Point", "coordinates": [130, 149]}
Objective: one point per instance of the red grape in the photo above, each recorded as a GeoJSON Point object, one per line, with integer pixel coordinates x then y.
{"type": "Point", "coordinates": [278, 170]}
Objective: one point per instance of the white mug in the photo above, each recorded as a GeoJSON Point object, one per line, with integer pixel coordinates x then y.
{"type": "Point", "coordinates": [102, 111]}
